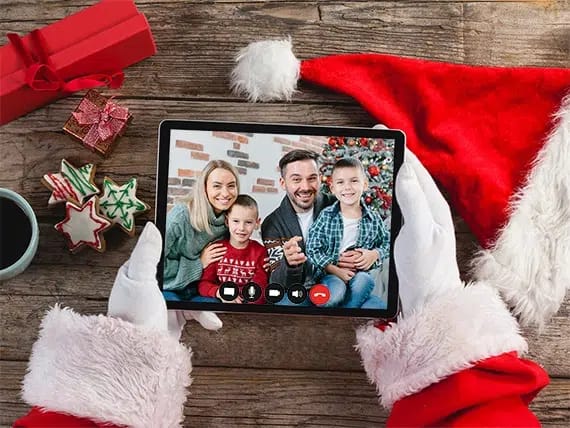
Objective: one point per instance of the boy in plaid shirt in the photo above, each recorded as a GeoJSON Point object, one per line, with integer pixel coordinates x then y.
{"type": "Point", "coordinates": [345, 225]}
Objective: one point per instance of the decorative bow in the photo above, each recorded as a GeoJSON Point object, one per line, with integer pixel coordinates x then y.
{"type": "Point", "coordinates": [105, 122]}
{"type": "Point", "coordinates": [41, 74]}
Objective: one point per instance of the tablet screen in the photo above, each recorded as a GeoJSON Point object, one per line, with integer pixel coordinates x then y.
{"type": "Point", "coordinates": [278, 218]}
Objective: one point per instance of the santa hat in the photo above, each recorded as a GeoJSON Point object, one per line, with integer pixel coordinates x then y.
{"type": "Point", "coordinates": [495, 138]}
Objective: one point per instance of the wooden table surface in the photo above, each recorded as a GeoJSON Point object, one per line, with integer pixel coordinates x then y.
{"type": "Point", "coordinates": [258, 370]}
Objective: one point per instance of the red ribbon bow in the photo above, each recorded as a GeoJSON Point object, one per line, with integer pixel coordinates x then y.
{"type": "Point", "coordinates": [42, 76]}
{"type": "Point", "coordinates": [105, 122]}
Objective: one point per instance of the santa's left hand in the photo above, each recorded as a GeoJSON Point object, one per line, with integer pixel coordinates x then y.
{"type": "Point", "coordinates": [136, 298]}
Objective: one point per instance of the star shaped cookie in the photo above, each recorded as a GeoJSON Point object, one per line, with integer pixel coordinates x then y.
{"type": "Point", "coordinates": [71, 184]}
{"type": "Point", "coordinates": [120, 204]}
{"type": "Point", "coordinates": [83, 225]}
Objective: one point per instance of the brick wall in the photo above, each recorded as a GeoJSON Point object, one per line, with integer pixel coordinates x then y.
{"type": "Point", "coordinates": [256, 158]}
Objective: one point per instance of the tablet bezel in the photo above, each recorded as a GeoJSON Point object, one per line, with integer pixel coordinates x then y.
{"type": "Point", "coordinates": [164, 141]}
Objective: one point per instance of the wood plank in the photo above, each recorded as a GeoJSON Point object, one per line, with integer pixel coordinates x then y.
{"type": "Point", "coordinates": [196, 64]}
{"type": "Point", "coordinates": [260, 340]}
{"type": "Point", "coordinates": [262, 397]}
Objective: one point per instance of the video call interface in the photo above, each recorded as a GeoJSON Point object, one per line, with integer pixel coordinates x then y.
{"type": "Point", "coordinates": [274, 219]}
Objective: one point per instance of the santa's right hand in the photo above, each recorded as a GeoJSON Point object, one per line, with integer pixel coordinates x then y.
{"type": "Point", "coordinates": [424, 251]}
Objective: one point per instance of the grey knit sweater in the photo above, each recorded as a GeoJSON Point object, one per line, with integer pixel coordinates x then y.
{"type": "Point", "coordinates": [184, 244]}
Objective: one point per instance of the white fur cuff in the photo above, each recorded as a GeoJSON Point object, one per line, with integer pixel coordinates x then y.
{"type": "Point", "coordinates": [446, 335]}
{"type": "Point", "coordinates": [107, 370]}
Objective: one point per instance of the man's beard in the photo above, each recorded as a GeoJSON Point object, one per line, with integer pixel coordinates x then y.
{"type": "Point", "coordinates": [296, 200]}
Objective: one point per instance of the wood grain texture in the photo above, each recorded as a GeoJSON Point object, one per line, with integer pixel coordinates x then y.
{"type": "Point", "coordinates": [283, 398]}
{"type": "Point", "coordinates": [270, 341]}
{"type": "Point", "coordinates": [259, 370]}
{"type": "Point", "coordinates": [494, 33]}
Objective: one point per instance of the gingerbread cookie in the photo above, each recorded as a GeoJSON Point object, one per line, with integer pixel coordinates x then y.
{"type": "Point", "coordinates": [83, 225]}
{"type": "Point", "coordinates": [120, 204]}
{"type": "Point", "coordinates": [71, 184]}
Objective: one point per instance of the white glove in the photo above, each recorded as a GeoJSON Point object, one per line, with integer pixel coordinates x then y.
{"type": "Point", "coordinates": [136, 298]}
{"type": "Point", "coordinates": [424, 251]}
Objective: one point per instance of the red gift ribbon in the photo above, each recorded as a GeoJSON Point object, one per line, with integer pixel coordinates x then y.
{"type": "Point", "coordinates": [42, 76]}
{"type": "Point", "coordinates": [105, 122]}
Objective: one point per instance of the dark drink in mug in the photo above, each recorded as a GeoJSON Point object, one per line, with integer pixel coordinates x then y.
{"type": "Point", "coordinates": [18, 234]}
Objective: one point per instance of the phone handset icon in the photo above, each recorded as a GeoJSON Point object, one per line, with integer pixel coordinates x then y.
{"type": "Point", "coordinates": [319, 294]}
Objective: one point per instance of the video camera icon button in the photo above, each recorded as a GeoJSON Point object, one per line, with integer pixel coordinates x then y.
{"type": "Point", "coordinates": [274, 293]}
{"type": "Point", "coordinates": [297, 294]}
{"type": "Point", "coordinates": [229, 291]}
{"type": "Point", "coordinates": [251, 292]}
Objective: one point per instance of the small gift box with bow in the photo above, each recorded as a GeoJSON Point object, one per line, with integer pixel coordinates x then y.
{"type": "Point", "coordinates": [97, 122]}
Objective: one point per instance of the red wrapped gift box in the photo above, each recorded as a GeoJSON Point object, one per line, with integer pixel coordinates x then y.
{"type": "Point", "coordinates": [85, 50]}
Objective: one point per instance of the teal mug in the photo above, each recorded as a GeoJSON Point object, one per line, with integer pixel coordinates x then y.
{"type": "Point", "coordinates": [19, 234]}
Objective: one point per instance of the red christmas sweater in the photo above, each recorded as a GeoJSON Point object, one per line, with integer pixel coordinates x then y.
{"type": "Point", "coordinates": [239, 265]}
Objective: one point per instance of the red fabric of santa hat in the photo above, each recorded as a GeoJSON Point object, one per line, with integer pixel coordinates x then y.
{"type": "Point", "coordinates": [495, 138]}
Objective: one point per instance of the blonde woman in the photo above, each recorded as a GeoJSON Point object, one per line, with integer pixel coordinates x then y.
{"type": "Point", "coordinates": [191, 226]}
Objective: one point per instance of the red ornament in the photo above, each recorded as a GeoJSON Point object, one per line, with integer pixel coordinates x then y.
{"type": "Point", "coordinates": [368, 200]}
{"type": "Point", "coordinates": [364, 142]}
{"type": "Point", "coordinates": [333, 142]}
{"type": "Point", "coordinates": [373, 170]}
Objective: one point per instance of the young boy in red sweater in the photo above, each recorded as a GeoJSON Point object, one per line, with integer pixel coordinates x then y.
{"type": "Point", "coordinates": [244, 259]}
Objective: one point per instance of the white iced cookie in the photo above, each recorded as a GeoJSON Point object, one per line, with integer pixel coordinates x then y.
{"type": "Point", "coordinates": [84, 226]}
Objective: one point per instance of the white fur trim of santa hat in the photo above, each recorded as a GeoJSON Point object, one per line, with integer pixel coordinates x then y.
{"type": "Point", "coordinates": [529, 262]}
{"type": "Point", "coordinates": [447, 334]}
{"type": "Point", "coordinates": [107, 370]}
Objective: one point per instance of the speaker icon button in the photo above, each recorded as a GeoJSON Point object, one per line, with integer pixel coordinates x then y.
{"type": "Point", "coordinates": [297, 294]}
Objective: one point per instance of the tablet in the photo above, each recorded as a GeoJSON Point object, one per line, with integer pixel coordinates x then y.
{"type": "Point", "coordinates": [284, 219]}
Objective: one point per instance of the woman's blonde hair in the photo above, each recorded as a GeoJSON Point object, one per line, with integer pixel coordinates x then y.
{"type": "Point", "coordinates": [198, 205]}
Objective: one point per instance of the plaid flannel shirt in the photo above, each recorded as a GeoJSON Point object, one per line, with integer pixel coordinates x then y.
{"type": "Point", "coordinates": [325, 236]}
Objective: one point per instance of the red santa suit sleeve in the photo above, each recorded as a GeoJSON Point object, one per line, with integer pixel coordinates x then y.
{"type": "Point", "coordinates": [99, 371]}
{"type": "Point", "coordinates": [40, 418]}
{"type": "Point", "coordinates": [454, 361]}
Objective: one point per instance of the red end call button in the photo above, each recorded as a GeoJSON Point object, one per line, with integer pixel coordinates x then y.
{"type": "Point", "coordinates": [319, 294]}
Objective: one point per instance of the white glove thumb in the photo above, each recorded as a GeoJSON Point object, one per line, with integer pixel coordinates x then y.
{"type": "Point", "coordinates": [424, 251]}
{"type": "Point", "coordinates": [135, 296]}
